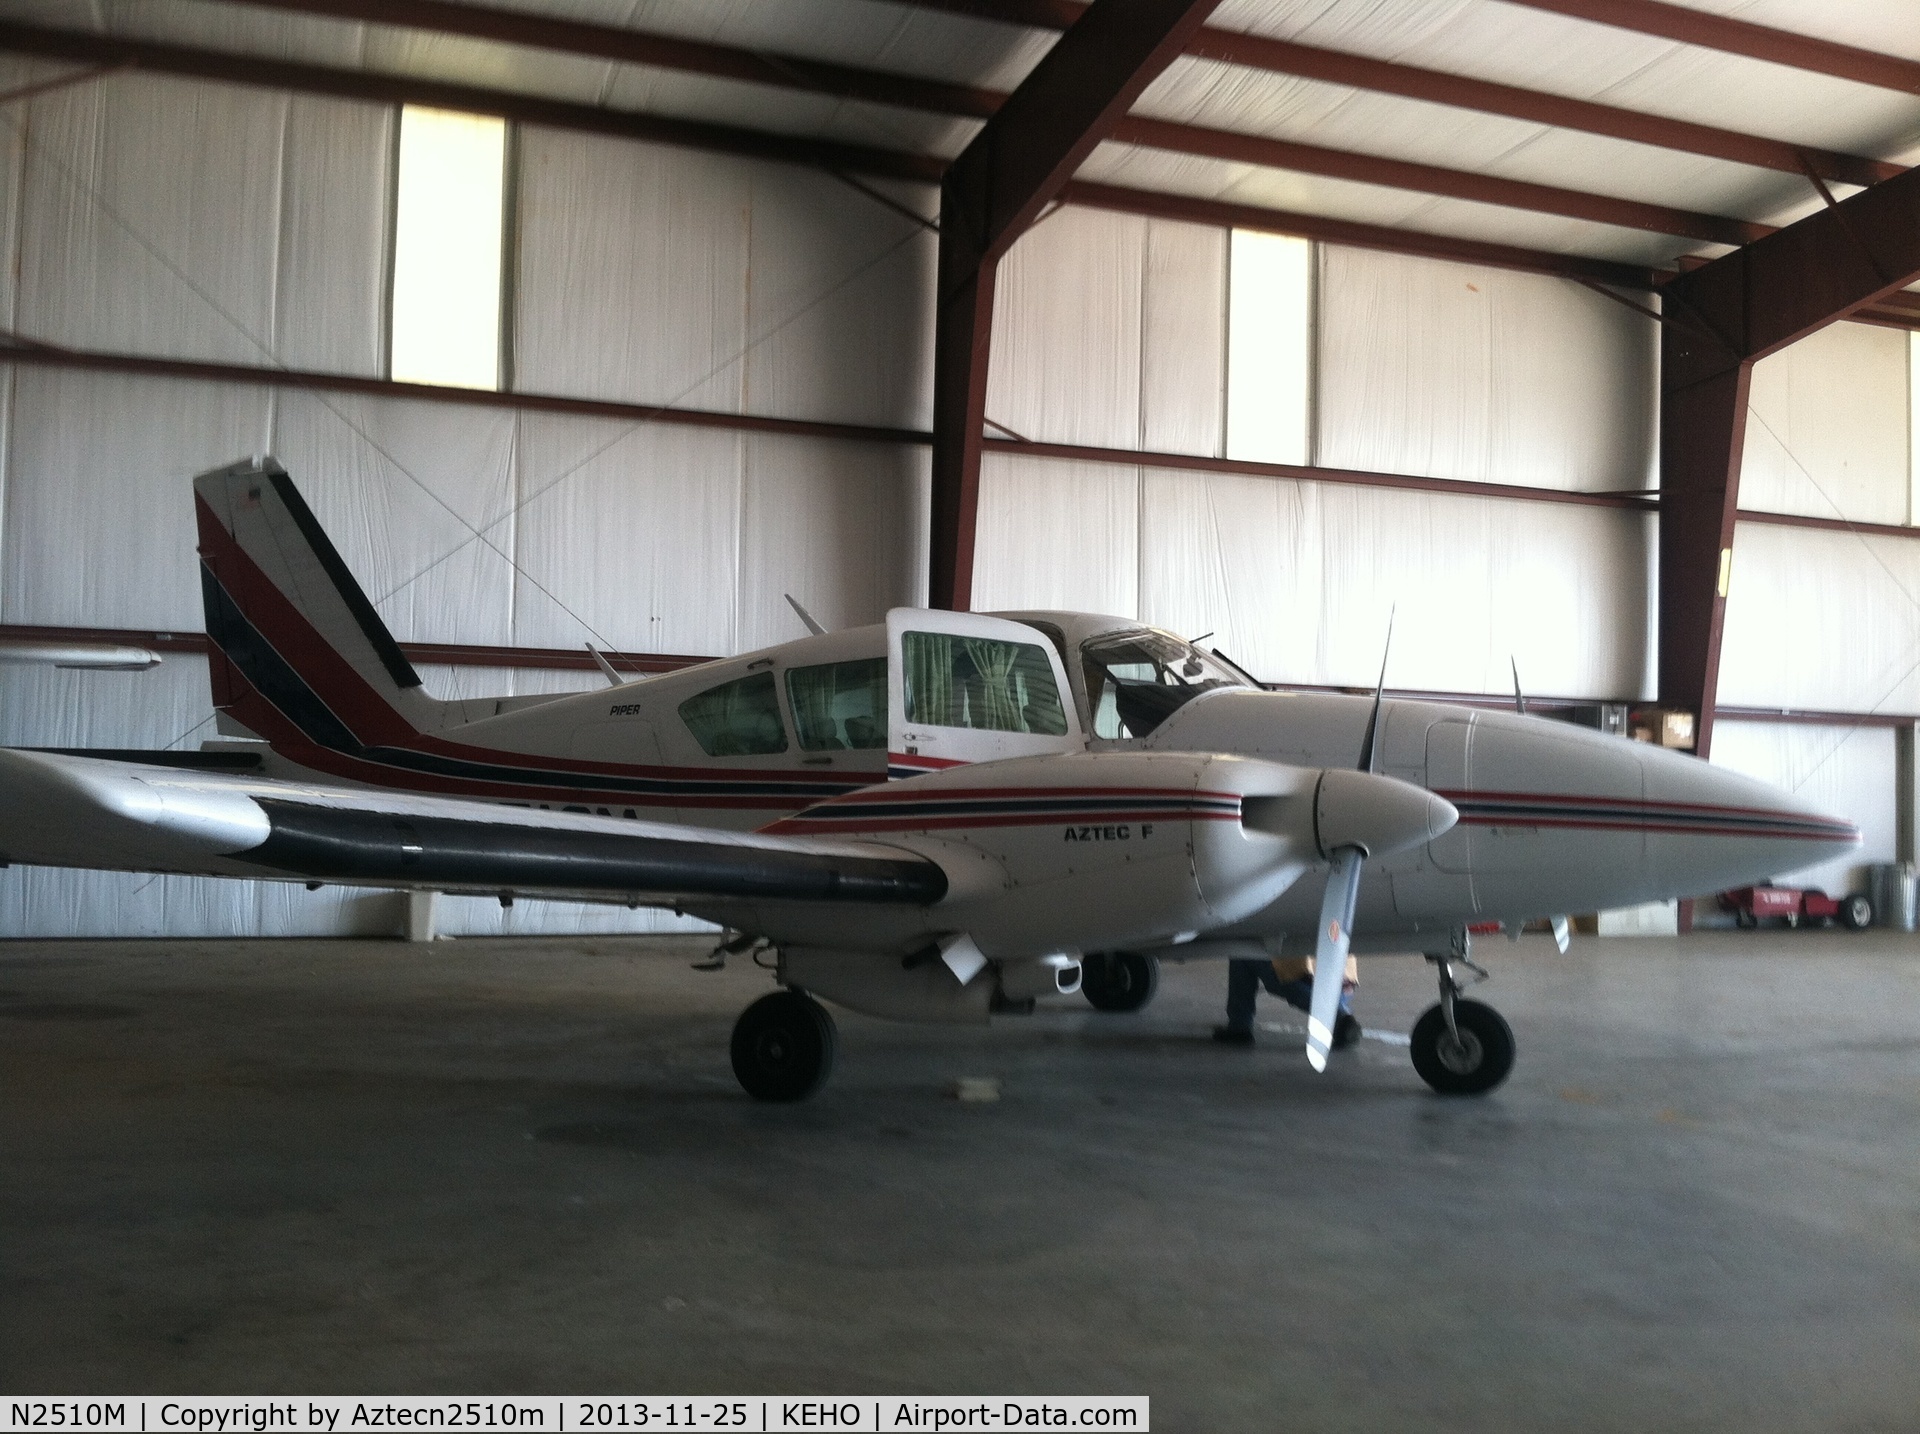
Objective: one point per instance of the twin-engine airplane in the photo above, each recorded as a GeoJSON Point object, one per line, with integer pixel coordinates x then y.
{"type": "Point", "coordinates": [933, 818]}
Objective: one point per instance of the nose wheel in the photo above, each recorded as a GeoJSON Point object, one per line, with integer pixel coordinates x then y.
{"type": "Point", "coordinates": [1461, 1047]}
{"type": "Point", "coordinates": [783, 1046]}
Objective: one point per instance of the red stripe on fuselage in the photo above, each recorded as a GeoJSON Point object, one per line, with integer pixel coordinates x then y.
{"type": "Point", "coordinates": [1648, 804]}
{"type": "Point", "coordinates": [804, 824]}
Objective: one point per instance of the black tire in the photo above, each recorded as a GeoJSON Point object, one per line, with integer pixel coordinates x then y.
{"type": "Point", "coordinates": [1119, 980]}
{"type": "Point", "coordinates": [783, 1046]}
{"type": "Point", "coordinates": [1745, 919]}
{"type": "Point", "coordinates": [1486, 1057]}
{"type": "Point", "coordinates": [1856, 912]}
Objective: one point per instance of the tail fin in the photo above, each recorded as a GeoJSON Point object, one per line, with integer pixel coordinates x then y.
{"type": "Point", "coordinates": [300, 657]}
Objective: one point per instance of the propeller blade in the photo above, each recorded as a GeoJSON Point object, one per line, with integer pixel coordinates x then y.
{"type": "Point", "coordinates": [1562, 934]}
{"type": "Point", "coordinates": [1519, 701]}
{"type": "Point", "coordinates": [1369, 745]}
{"type": "Point", "coordinates": [1330, 951]}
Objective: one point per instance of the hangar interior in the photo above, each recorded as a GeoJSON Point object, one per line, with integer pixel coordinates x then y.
{"type": "Point", "coordinates": [1343, 320]}
{"type": "Point", "coordinates": [1574, 337]}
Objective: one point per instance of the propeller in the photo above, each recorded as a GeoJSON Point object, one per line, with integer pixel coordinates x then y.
{"type": "Point", "coordinates": [1356, 814]}
{"type": "Point", "coordinates": [1343, 891]}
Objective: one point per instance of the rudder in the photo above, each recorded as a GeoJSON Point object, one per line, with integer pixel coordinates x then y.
{"type": "Point", "coordinates": [299, 654]}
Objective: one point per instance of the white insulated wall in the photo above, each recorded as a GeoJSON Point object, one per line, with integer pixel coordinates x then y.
{"type": "Point", "coordinates": [1110, 331]}
{"type": "Point", "coordinates": [165, 217]}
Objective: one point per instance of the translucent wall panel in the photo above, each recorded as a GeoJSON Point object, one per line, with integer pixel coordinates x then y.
{"type": "Point", "coordinates": [1269, 348]}
{"type": "Point", "coordinates": [446, 248]}
{"type": "Point", "coordinates": [1108, 331]}
{"type": "Point", "coordinates": [1845, 771]}
{"type": "Point", "coordinates": [1297, 579]}
{"type": "Point", "coordinates": [1822, 620]}
{"type": "Point", "coordinates": [1827, 427]}
{"type": "Point", "coordinates": [1453, 371]}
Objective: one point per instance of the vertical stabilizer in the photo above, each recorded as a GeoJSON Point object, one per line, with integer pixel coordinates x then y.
{"type": "Point", "coordinates": [299, 655]}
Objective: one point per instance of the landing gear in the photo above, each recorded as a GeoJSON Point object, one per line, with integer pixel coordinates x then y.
{"type": "Point", "coordinates": [1119, 980]}
{"type": "Point", "coordinates": [1461, 1047]}
{"type": "Point", "coordinates": [783, 1046]}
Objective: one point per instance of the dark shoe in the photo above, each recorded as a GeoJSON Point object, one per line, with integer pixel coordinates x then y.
{"type": "Point", "coordinates": [1346, 1031]}
{"type": "Point", "coordinates": [1233, 1035]}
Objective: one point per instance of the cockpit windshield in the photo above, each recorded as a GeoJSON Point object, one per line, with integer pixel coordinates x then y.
{"type": "Point", "coordinates": [1136, 680]}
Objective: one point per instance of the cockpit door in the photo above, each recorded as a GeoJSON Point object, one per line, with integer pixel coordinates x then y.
{"type": "Point", "coordinates": [967, 688]}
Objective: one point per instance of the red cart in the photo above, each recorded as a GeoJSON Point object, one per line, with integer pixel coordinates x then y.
{"type": "Point", "coordinates": [1751, 905]}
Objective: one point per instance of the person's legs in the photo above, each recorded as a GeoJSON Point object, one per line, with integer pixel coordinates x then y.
{"type": "Point", "coordinates": [1243, 987]}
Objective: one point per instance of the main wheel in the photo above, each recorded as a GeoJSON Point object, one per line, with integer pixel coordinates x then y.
{"type": "Point", "coordinates": [1856, 912]}
{"type": "Point", "coordinates": [1119, 980]}
{"type": "Point", "coordinates": [1474, 1065]}
{"type": "Point", "coordinates": [783, 1046]}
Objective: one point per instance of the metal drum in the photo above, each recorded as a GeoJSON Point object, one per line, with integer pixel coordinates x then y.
{"type": "Point", "coordinates": [1892, 888]}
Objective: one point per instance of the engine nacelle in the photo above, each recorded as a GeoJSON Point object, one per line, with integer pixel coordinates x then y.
{"type": "Point", "coordinates": [923, 987]}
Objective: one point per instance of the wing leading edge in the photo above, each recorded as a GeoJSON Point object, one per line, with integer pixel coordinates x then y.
{"type": "Point", "coordinates": [65, 810]}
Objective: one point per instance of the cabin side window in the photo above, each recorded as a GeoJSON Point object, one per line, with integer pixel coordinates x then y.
{"type": "Point", "coordinates": [840, 705]}
{"type": "Point", "coordinates": [737, 719]}
{"type": "Point", "coordinates": [981, 684]}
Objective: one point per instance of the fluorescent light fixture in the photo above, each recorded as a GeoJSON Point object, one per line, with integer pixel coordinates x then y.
{"type": "Point", "coordinates": [446, 249]}
{"type": "Point", "coordinates": [1269, 347]}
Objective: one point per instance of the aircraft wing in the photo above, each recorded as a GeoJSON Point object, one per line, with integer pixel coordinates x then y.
{"type": "Point", "coordinates": [59, 809]}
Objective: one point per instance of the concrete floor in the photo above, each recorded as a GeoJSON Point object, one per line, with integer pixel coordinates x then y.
{"type": "Point", "coordinates": [524, 1166]}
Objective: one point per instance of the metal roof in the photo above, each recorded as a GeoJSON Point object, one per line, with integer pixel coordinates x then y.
{"type": "Point", "coordinates": [1399, 142]}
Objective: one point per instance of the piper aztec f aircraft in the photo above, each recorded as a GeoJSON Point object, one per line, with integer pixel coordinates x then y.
{"type": "Point", "coordinates": [934, 818]}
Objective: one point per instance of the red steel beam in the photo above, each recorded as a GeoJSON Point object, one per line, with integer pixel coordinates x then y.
{"type": "Point", "coordinates": [617, 43]}
{"type": "Point", "coordinates": [258, 71]}
{"type": "Point", "coordinates": [37, 355]}
{"type": "Point", "coordinates": [1742, 37]}
{"type": "Point", "coordinates": [621, 44]}
{"type": "Point", "coordinates": [1432, 179]}
{"type": "Point", "coordinates": [1354, 477]}
{"type": "Point", "coordinates": [1721, 318]}
{"type": "Point", "coordinates": [1225, 214]}
{"type": "Point", "coordinates": [1438, 87]}
{"type": "Point", "coordinates": [1018, 163]}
